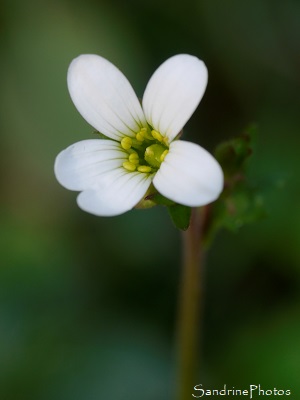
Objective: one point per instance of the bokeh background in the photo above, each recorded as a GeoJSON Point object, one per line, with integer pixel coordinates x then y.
{"type": "Point", "coordinates": [88, 305]}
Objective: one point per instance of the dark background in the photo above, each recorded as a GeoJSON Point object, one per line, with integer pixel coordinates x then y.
{"type": "Point", "coordinates": [88, 305]}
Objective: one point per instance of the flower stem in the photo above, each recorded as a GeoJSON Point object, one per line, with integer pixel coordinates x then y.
{"type": "Point", "coordinates": [190, 304]}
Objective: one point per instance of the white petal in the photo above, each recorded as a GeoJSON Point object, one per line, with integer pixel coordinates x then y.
{"type": "Point", "coordinates": [104, 97]}
{"type": "Point", "coordinates": [117, 193]}
{"type": "Point", "coordinates": [189, 175]}
{"type": "Point", "coordinates": [173, 93]}
{"type": "Point", "coordinates": [81, 165]}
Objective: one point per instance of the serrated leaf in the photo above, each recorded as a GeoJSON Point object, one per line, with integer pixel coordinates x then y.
{"type": "Point", "coordinates": [180, 216]}
{"type": "Point", "coordinates": [233, 153]}
{"type": "Point", "coordinates": [241, 208]}
{"type": "Point", "coordinates": [241, 202]}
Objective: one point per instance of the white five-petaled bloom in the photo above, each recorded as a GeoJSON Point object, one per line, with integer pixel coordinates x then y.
{"type": "Point", "coordinates": [140, 148]}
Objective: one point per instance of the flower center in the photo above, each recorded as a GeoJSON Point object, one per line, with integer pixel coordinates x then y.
{"type": "Point", "coordinates": [146, 151]}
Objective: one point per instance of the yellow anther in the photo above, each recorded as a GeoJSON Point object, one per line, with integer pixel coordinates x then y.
{"type": "Point", "coordinates": [145, 134]}
{"type": "Point", "coordinates": [144, 168]}
{"type": "Point", "coordinates": [129, 166]}
{"type": "Point", "coordinates": [166, 141]}
{"type": "Point", "coordinates": [162, 157]}
{"type": "Point", "coordinates": [126, 143]}
{"type": "Point", "coordinates": [134, 158]}
{"type": "Point", "coordinates": [157, 135]}
{"type": "Point", "coordinates": [140, 136]}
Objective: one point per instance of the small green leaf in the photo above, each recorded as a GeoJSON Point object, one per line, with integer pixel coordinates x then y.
{"type": "Point", "coordinates": [233, 153]}
{"type": "Point", "coordinates": [180, 215]}
{"type": "Point", "coordinates": [242, 201]}
{"type": "Point", "coordinates": [242, 207]}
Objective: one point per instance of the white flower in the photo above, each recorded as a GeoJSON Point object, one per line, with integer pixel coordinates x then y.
{"type": "Point", "coordinates": [140, 148]}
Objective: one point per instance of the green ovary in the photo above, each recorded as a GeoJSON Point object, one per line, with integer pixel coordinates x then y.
{"type": "Point", "coordinates": [153, 155]}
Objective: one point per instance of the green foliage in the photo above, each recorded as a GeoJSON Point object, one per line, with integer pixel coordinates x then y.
{"type": "Point", "coordinates": [241, 201]}
{"type": "Point", "coordinates": [233, 154]}
{"type": "Point", "coordinates": [180, 215]}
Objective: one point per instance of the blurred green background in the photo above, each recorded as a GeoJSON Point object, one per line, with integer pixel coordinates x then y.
{"type": "Point", "coordinates": [88, 305]}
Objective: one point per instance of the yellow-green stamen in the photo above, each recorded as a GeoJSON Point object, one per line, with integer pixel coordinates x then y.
{"type": "Point", "coordinates": [129, 166]}
{"type": "Point", "coordinates": [134, 158]}
{"type": "Point", "coordinates": [162, 157]}
{"type": "Point", "coordinates": [126, 143]}
{"type": "Point", "coordinates": [144, 168]}
{"type": "Point", "coordinates": [146, 151]}
{"type": "Point", "coordinates": [140, 136]}
{"type": "Point", "coordinates": [157, 135]}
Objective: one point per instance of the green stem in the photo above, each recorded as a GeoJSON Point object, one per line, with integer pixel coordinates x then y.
{"type": "Point", "coordinates": [190, 305]}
